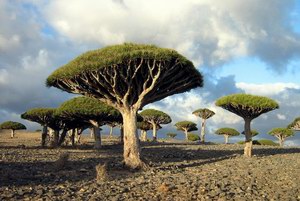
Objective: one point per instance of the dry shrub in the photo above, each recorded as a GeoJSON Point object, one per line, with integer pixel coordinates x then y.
{"type": "Point", "coordinates": [101, 172]}
{"type": "Point", "coordinates": [62, 161]}
{"type": "Point", "coordinates": [164, 188]}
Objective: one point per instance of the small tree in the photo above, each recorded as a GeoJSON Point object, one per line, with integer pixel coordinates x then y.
{"type": "Point", "coordinates": [193, 137]}
{"type": "Point", "coordinates": [128, 77]}
{"type": "Point", "coordinates": [89, 110]}
{"type": "Point", "coordinates": [171, 135]}
{"type": "Point", "coordinates": [281, 134]}
{"type": "Point", "coordinates": [227, 132]}
{"type": "Point", "coordinates": [186, 126]}
{"type": "Point", "coordinates": [248, 107]}
{"type": "Point", "coordinates": [13, 126]}
{"type": "Point", "coordinates": [295, 125]}
{"type": "Point", "coordinates": [253, 133]}
{"type": "Point", "coordinates": [144, 127]}
{"type": "Point", "coordinates": [204, 114]}
{"type": "Point", "coordinates": [155, 118]}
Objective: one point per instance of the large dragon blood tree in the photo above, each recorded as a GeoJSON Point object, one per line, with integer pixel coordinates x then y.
{"type": "Point", "coordinates": [89, 110]}
{"type": "Point", "coordinates": [248, 107]}
{"type": "Point", "coordinates": [204, 114]}
{"type": "Point", "coordinates": [155, 118]}
{"type": "Point", "coordinates": [128, 77]}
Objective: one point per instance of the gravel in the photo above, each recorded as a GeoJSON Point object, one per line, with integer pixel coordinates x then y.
{"type": "Point", "coordinates": [178, 171]}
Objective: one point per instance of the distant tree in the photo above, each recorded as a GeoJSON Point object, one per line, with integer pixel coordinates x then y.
{"type": "Point", "coordinates": [111, 126]}
{"type": "Point", "coordinates": [227, 132]}
{"type": "Point", "coordinates": [193, 137]}
{"type": "Point", "coordinates": [145, 126]}
{"type": "Point", "coordinates": [186, 126]}
{"type": "Point", "coordinates": [248, 107]}
{"type": "Point", "coordinates": [253, 132]}
{"type": "Point", "coordinates": [89, 110]}
{"type": "Point", "coordinates": [204, 114]}
{"type": "Point", "coordinates": [295, 125]}
{"type": "Point", "coordinates": [281, 134]}
{"type": "Point", "coordinates": [128, 77]}
{"type": "Point", "coordinates": [13, 126]}
{"type": "Point", "coordinates": [155, 118]}
{"type": "Point", "coordinates": [171, 135]}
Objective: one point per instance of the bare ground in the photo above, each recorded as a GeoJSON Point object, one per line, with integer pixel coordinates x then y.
{"type": "Point", "coordinates": [178, 171]}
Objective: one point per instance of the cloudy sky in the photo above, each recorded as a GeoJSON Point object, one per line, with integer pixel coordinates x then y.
{"type": "Point", "coordinates": [248, 46]}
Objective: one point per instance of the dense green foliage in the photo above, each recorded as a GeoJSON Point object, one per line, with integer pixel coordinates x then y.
{"type": "Point", "coordinates": [85, 108]}
{"type": "Point", "coordinates": [171, 135]}
{"type": "Point", "coordinates": [295, 125]}
{"type": "Point", "coordinates": [282, 132]}
{"type": "Point", "coordinates": [186, 125]}
{"type": "Point", "coordinates": [42, 116]}
{"type": "Point", "coordinates": [12, 125]}
{"type": "Point", "coordinates": [156, 116]}
{"type": "Point", "coordinates": [112, 55]}
{"type": "Point", "coordinates": [261, 142]}
{"type": "Point", "coordinates": [193, 137]}
{"type": "Point", "coordinates": [227, 131]}
{"type": "Point", "coordinates": [204, 113]}
{"type": "Point", "coordinates": [247, 100]}
{"type": "Point", "coordinates": [253, 133]}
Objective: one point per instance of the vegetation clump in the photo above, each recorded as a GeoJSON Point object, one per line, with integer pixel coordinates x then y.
{"type": "Point", "coordinates": [13, 126]}
{"type": "Point", "coordinates": [281, 134]}
{"type": "Point", "coordinates": [193, 137]}
{"type": "Point", "coordinates": [227, 132]}
{"type": "Point", "coordinates": [248, 107]}
{"type": "Point", "coordinates": [186, 126]}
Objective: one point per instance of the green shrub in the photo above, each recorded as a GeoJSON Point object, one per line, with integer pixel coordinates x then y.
{"type": "Point", "coordinates": [261, 142]}
{"type": "Point", "coordinates": [193, 137]}
{"type": "Point", "coordinates": [171, 135]}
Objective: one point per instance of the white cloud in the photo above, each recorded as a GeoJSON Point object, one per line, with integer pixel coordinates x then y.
{"type": "Point", "coordinates": [281, 116]}
{"type": "Point", "coordinates": [269, 89]}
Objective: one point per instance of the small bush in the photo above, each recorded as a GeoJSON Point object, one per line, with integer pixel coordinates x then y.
{"type": "Point", "coordinates": [193, 137]}
{"type": "Point", "coordinates": [101, 172]}
{"type": "Point", "coordinates": [261, 142]}
{"type": "Point", "coordinates": [171, 135]}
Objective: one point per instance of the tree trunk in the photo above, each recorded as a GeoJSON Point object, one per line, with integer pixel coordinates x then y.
{"type": "Point", "coordinates": [91, 133]}
{"type": "Point", "coordinates": [62, 137]}
{"type": "Point", "coordinates": [111, 131]}
{"type": "Point", "coordinates": [281, 140]}
{"type": "Point", "coordinates": [248, 136]}
{"type": "Point", "coordinates": [226, 139]}
{"type": "Point", "coordinates": [154, 131]}
{"type": "Point", "coordinates": [144, 135]}
{"type": "Point", "coordinates": [73, 137]}
{"type": "Point", "coordinates": [97, 134]}
{"type": "Point", "coordinates": [76, 136]}
{"type": "Point", "coordinates": [202, 137]}
{"type": "Point", "coordinates": [55, 138]}
{"type": "Point", "coordinates": [44, 136]}
{"type": "Point", "coordinates": [131, 153]}
{"type": "Point", "coordinates": [186, 135]}
{"type": "Point", "coordinates": [12, 133]}
{"type": "Point", "coordinates": [121, 134]}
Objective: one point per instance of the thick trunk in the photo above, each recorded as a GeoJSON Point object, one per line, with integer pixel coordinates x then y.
{"type": "Point", "coordinates": [226, 139]}
{"type": "Point", "coordinates": [97, 134]}
{"type": "Point", "coordinates": [62, 137]}
{"type": "Point", "coordinates": [186, 135]}
{"type": "Point", "coordinates": [44, 136]}
{"type": "Point", "coordinates": [122, 134]}
{"type": "Point", "coordinates": [248, 136]}
{"type": "Point", "coordinates": [73, 137]}
{"type": "Point", "coordinates": [154, 131]}
{"type": "Point", "coordinates": [281, 140]}
{"type": "Point", "coordinates": [144, 135]}
{"type": "Point", "coordinates": [12, 133]}
{"type": "Point", "coordinates": [92, 132]}
{"type": "Point", "coordinates": [202, 137]}
{"type": "Point", "coordinates": [111, 131]}
{"type": "Point", "coordinates": [131, 153]}
{"type": "Point", "coordinates": [76, 135]}
{"type": "Point", "coordinates": [55, 138]}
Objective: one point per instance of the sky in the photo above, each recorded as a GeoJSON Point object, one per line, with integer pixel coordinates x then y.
{"type": "Point", "coordinates": [248, 46]}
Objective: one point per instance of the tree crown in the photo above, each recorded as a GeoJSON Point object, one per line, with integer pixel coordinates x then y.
{"type": "Point", "coordinates": [253, 133]}
{"type": "Point", "coordinates": [295, 125]}
{"type": "Point", "coordinates": [283, 132]}
{"type": "Point", "coordinates": [157, 116]}
{"type": "Point", "coordinates": [246, 105]}
{"type": "Point", "coordinates": [42, 116]}
{"type": "Point", "coordinates": [204, 113]}
{"type": "Point", "coordinates": [227, 131]}
{"type": "Point", "coordinates": [186, 125]}
{"type": "Point", "coordinates": [12, 125]}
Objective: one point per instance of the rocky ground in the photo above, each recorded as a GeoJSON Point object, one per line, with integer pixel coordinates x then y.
{"type": "Point", "coordinates": [178, 171]}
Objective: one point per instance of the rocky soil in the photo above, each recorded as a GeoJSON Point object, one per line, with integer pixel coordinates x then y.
{"type": "Point", "coordinates": [178, 171]}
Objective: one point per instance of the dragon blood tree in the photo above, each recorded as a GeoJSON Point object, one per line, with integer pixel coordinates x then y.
{"type": "Point", "coordinates": [128, 77]}
{"type": "Point", "coordinates": [281, 134]}
{"type": "Point", "coordinates": [248, 107]}
{"type": "Point", "coordinates": [144, 126]}
{"type": "Point", "coordinates": [13, 126]}
{"type": "Point", "coordinates": [295, 125]}
{"type": "Point", "coordinates": [186, 126]}
{"type": "Point", "coordinates": [204, 114]}
{"type": "Point", "coordinates": [89, 110]}
{"type": "Point", "coordinates": [227, 132]}
{"type": "Point", "coordinates": [155, 118]}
